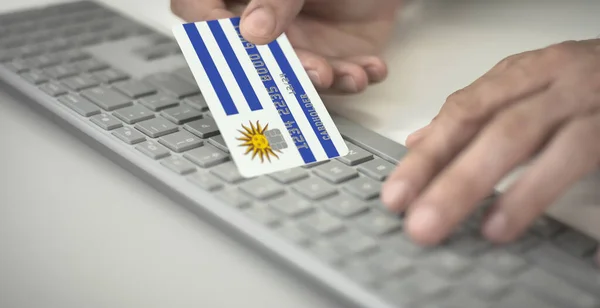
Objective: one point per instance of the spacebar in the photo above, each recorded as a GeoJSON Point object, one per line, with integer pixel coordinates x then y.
{"type": "Point", "coordinates": [370, 140]}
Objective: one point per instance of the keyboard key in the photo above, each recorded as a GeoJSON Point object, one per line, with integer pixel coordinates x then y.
{"type": "Point", "coordinates": [153, 149]}
{"type": "Point", "coordinates": [503, 263]}
{"type": "Point", "coordinates": [57, 44]}
{"type": "Point", "coordinates": [556, 289]}
{"type": "Point", "coordinates": [110, 75]}
{"type": "Point", "coordinates": [31, 50]}
{"type": "Point", "coordinates": [53, 89]}
{"type": "Point", "coordinates": [386, 263]}
{"type": "Point", "coordinates": [291, 205]}
{"type": "Point", "coordinates": [377, 169]}
{"type": "Point", "coordinates": [335, 172]}
{"type": "Point", "coordinates": [469, 244]}
{"type": "Point", "coordinates": [355, 156]}
{"type": "Point", "coordinates": [44, 60]}
{"type": "Point", "coordinates": [262, 188]}
{"type": "Point", "coordinates": [159, 102]}
{"type": "Point", "coordinates": [134, 114]}
{"type": "Point", "coordinates": [90, 65]}
{"type": "Point", "coordinates": [363, 188]}
{"type": "Point", "coordinates": [75, 55]}
{"type": "Point", "coordinates": [173, 85]}
{"type": "Point", "coordinates": [181, 114]}
{"type": "Point", "coordinates": [78, 83]}
{"type": "Point", "coordinates": [524, 243]}
{"type": "Point", "coordinates": [344, 205]}
{"type": "Point", "coordinates": [197, 102]}
{"type": "Point", "coordinates": [206, 156]}
{"type": "Point", "coordinates": [178, 165]}
{"type": "Point", "coordinates": [292, 233]}
{"type": "Point", "coordinates": [206, 181]}
{"type": "Point", "coordinates": [234, 197]}
{"type": "Point", "coordinates": [135, 88]}
{"type": "Point", "coordinates": [228, 172]}
{"type": "Point", "coordinates": [219, 142]}
{"type": "Point", "coordinates": [203, 128]}
{"type": "Point", "coordinates": [35, 77]}
{"type": "Point", "coordinates": [359, 272]}
{"type": "Point", "coordinates": [325, 252]}
{"type": "Point", "coordinates": [8, 54]}
{"type": "Point", "coordinates": [314, 188]}
{"type": "Point", "coordinates": [186, 74]}
{"type": "Point", "coordinates": [420, 285]}
{"type": "Point", "coordinates": [18, 66]}
{"type": "Point", "coordinates": [61, 71]}
{"type": "Point", "coordinates": [106, 121]}
{"type": "Point", "coordinates": [129, 135]}
{"type": "Point", "coordinates": [106, 98]}
{"type": "Point", "coordinates": [553, 259]}
{"type": "Point", "coordinates": [79, 104]}
{"type": "Point", "coordinates": [375, 223]}
{"type": "Point", "coordinates": [576, 243]}
{"type": "Point", "coordinates": [447, 264]}
{"type": "Point", "coordinates": [547, 227]}
{"type": "Point", "coordinates": [156, 127]}
{"type": "Point", "coordinates": [262, 215]}
{"type": "Point", "coordinates": [289, 175]}
{"type": "Point", "coordinates": [315, 164]}
{"type": "Point", "coordinates": [486, 285]}
{"type": "Point", "coordinates": [351, 242]}
{"type": "Point", "coordinates": [180, 141]}
{"type": "Point", "coordinates": [520, 298]}
{"type": "Point", "coordinates": [463, 298]}
{"type": "Point", "coordinates": [320, 223]}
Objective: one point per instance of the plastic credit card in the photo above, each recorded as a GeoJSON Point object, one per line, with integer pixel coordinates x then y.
{"type": "Point", "coordinates": [261, 98]}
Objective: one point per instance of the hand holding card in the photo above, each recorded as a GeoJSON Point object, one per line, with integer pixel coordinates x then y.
{"type": "Point", "coordinates": [269, 113]}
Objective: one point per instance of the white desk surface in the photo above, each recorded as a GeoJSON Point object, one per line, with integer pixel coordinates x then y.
{"type": "Point", "coordinates": [108, 240]}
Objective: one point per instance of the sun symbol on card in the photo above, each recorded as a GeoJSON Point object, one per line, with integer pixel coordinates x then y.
{"type": "Point", "coordinates": [262, 142]}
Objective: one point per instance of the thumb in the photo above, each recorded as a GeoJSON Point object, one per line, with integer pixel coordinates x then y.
{"type": "Point", "coordinates": [264, 20]}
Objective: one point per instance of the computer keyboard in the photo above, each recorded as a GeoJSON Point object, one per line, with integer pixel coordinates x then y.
{"type": "Point", "coordinates": [126, 89]}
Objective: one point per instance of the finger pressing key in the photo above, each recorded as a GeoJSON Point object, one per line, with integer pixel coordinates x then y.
{"type": "Point", "coordinates": [547, 179]}
{"type": "Point", "coordinates": [459, 120]}
{"type": "Point", "coordinates": [500, 147]}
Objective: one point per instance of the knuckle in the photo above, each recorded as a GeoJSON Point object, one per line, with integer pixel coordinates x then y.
{"type": "Point", "coordinates": [584, 131]}
{"type": "Point", "coordinates": [508, 62]}
{"type": "Point", "coordinates": [464, 106]}
{"type": "Point", "coordinates": [177, 7]}
{"type": "Point", "coordinates": [559, 53]}
{"type": "Point", "coordinates": [512, 125]}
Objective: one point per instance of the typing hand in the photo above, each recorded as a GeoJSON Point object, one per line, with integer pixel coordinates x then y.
{"type": "Point", "coordinates": [338, 41]}
{"type": "Point", "coordinates": [542, 105]}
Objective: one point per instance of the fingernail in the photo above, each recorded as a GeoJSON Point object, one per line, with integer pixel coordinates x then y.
{"type": "Point", "coordinates": [496, 226]}
{"type": "Point", "coordinates": [420, 130]}
{"type": "Point", "coordinates": [374, 73]}
{"type": "Point", "coordinates": [425, 220]}
{"type": "Point", "coordinates": [348, 84]}
{"type": "Point", "coordinates": [394, 195]}
{"type": "Point", "coordinates": [314, 76]}
{"type": "Point", "coordinates": [260, 22]}
{"type": "Point", "coordinates": [416, 135]}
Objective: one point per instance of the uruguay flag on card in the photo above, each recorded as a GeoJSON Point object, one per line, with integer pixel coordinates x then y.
{"type": "Point", "coordinates": [261, 98]}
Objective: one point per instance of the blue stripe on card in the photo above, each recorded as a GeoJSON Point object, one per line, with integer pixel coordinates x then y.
{"type": "Point", "coordinates": [234, 65]}
{"type": "Point", "coordinates": [304, 100]}
{"type": "Point", "coordinates": [210, 68]}
{"type": "Point", "coordinates": [278, 101]}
